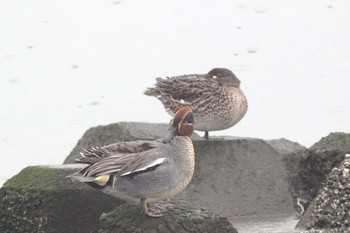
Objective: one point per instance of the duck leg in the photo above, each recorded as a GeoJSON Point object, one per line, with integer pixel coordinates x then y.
{"type": "Point", "coordinates": [152, 212]}
{"type": "Point", "coordinates": [206, 135]}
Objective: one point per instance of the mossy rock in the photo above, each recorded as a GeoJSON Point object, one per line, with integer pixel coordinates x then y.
{"type": "Point", "coordinates": [334, 141]}
{"type": "Point", "coordinates": [42, 199]}
{"type": "Point", "coordinates": [316, 163]}
{"type": "Point", "coordinates": [233, 176]}
{"type": "Point", "coordinates": [180, 218]}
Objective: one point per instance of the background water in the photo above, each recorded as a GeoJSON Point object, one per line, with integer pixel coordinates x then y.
{"type": "Point", "coordinates": [2, 180]}
{"type": "Point", "coordinates": [266, 224]}
{"type": "Point", "coordinates": [66, 66]}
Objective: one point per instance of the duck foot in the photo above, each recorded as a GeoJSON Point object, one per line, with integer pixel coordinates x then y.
{"type": "Point", "coordinates": [154, 212]}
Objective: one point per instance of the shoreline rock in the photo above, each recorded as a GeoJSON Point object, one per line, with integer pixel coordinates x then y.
{"type": "Point", "coordinates": [239, 177]}
{"type": "Point", "coordinates": [285, 147]}
{"type": "Point", "coordinates": [180, 217]}
{"type": "Point", "coordinates": [42, 199]}
{"type": "Point", "coordinates": [316, 163]}
{"type": "Point", "coordinates": [331, 207]}
{"type": "Point", "coordinates": [234, 176]}
{"type": "Point", "coordinates": [334, 141]}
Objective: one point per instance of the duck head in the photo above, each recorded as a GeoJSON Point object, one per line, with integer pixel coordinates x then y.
{"type": "Point", "coordinates": [224, 76]}
{"type": "Point", "coordinates": [182, 124]}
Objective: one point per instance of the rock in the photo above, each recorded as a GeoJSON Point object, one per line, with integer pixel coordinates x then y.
{"type": "Point", "coordinates": [330, 209]}
{"type": "Point", "coordinates": [42, 199]}
{"type": "Point", "coordinates": [285, 147]}
{"type": "Point", "coordinates": [334, 141]}
{"type": "Point", "coordinates": [239, 177]}
{"type": "Point", "coordinates": [122, 131]}
{"type": "Point", "coordinates": [233, 176]}
{"type": "Point", "coordinates": [314, 168]}
{"type": "Point", "coordinates": [291, 152]}
{"type": "Point", "coordinates": [292, 161]}
{"type": "Point", "coordinates": [180, 218]}
{"type": "Point", "coordinates": [317, 162]}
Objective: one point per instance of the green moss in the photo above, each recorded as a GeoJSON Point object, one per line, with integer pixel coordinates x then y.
{"type": "Point", "coordinates": [41, 177]}
{"type": "Point", "coordinates": [29, 178]}
{"type": "Point", "coordinates": [180, 217]}
{"type": "Point", "coordinates": [334, 141]}
{"type": "Point", "coordinates": [42, 199]}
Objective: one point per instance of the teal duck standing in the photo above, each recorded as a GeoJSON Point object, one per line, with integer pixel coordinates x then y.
{"type": "Point", "coordinates": [144, 171]}
{"type": "Point", "coordinates": [216, 99]}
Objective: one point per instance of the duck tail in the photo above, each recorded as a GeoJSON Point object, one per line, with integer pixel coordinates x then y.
{"type": "Point", "coordinates": [91, 156]}
{"type": "Point", "coordinates": [79, 177]}
{"type": "Point", "coordinates": [88, 160]}
{"type": "Point", "coordinates": [94, 152]}
{"type": "Point", "coordinates": [96, 182]}
{"type": "Point", "coordinates": [151, 92]}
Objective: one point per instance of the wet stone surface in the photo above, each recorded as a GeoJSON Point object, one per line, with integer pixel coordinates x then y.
{"type": "Point", "coordinates": [331, 207]}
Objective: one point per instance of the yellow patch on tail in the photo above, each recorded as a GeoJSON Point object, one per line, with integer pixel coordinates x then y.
{"type": "Point", "coordinates": [102, 180]}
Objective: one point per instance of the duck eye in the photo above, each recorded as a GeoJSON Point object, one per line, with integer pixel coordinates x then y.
{"type": "Point", "coordinates": [188, 119]}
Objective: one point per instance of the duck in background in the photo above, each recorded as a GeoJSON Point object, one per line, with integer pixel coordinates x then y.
{"type": "Point", "coordinates": [216, 99]}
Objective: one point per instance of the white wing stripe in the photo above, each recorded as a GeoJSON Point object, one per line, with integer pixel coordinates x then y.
{"type": "Point", "coordinates": [156, 162]}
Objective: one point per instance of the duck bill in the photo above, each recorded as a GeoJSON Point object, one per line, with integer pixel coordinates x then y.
{"type": "Point", "coordinates": [172, 133]}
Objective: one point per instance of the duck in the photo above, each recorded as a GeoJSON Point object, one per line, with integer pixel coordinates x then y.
{"type": "Point", "coordinates": [216, 99]}
{"type": "Point", "coordinates": [143, 172]}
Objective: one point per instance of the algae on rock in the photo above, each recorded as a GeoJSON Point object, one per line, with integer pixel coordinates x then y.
{"type": "Point", "coordinates": [316, 163]}
{"type": "Point", "coordinates": [42, 199]}
{"type": "Point", "coordinates": [180, 217]}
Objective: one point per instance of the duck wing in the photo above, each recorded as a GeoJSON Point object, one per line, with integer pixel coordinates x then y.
{"type": "Point", "coordinates": [124, 164]}
{"type": "Point", "coordinates": [185, 88]}
{"type": "Point", "coordinates": [95, 154]}
{"type": "Point", "coordinates": [121, 159]}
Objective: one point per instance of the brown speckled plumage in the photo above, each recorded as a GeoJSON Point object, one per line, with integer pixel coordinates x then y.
{"type": "Point", "coordinates": [215, 98]}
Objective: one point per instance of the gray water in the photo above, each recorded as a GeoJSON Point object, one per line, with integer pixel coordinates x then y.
{"type": "Point", "coordinates": [52, 92]}
{"type": "Point", "coordinates": [265, 224]}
